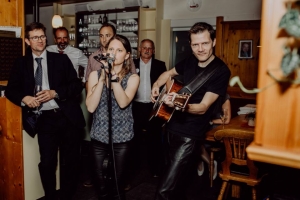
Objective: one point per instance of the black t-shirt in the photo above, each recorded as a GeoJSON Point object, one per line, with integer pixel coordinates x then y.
{"type": "Point", "coordinates": [191, 125]}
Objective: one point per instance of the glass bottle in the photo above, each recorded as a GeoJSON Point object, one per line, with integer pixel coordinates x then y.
{"type": "Point", "coordinates": [100, 19]}
{"type": "Point", "coordinates": [80, 22]}
{"type": "Point", "coordinates": [105, 19]}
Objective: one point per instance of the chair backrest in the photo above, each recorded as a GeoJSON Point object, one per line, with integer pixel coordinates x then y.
{"type": "Point", "coordinates": [235, 142]}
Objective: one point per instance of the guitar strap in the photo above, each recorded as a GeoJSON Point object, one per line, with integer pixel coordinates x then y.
{"type": "Point", "coordinates": [200, 79]}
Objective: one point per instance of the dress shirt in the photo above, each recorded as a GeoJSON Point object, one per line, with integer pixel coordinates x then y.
{"type": "Point", "coordinates": [76, 56]}
{"type": "Point", "coordinates": [45, 82]}
{"type": "Point", "coordinates": [93, 64]}
{"type": "Point", "coordinates": [144, 90]}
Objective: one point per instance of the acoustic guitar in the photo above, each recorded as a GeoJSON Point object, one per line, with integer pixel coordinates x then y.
{"type": "Point", "coordinates": [180, 101]}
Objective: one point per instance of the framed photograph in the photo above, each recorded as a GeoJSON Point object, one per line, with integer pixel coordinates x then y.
{"type": "Point", "coordinates": [245, 49]}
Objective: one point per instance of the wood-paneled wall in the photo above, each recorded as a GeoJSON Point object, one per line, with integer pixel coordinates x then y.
{"type": "Point", "coordinates": [12, 13]}
{"type": "Point", "coordinates": [229, 34]}
{"type": "Point", "coordinates": [11, 152]}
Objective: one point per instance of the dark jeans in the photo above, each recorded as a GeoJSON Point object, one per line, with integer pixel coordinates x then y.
{"type": "Point", "coordinates": [104, 187]}
{"type": "Point", "coordinates": [56, 132]}
{"type": "Point", "coordinates": [181, 150]}
{"type": "Point", "coordinates": [151, 139]}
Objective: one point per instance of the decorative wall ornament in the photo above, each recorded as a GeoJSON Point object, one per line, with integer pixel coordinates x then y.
{"type": "Point", "coordinates": [193, 5]}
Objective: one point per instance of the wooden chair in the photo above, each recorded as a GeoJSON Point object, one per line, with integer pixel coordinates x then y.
{"type": "Point", "coordinates": [212, 151]}
{"type": "Point", "coordinates": [235, 143]}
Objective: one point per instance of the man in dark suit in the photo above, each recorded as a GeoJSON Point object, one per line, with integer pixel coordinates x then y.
{"type": "Point", "coordinates": [149, 69]}
{"type": "Point", "coordinates": [61, 117]}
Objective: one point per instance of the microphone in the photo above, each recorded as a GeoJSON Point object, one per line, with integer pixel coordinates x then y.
{"type": "Point", "coordinates": [110, 58]}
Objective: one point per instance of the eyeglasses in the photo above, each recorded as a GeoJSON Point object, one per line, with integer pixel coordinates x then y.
{"type": "Point", "coordinates": [145, 48]}
{"type": "Point", "coordinates": [36, 38]}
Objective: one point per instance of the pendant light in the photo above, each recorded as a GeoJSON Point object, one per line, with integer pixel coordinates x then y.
{"type": "Point", "coordinates": [56, 19]}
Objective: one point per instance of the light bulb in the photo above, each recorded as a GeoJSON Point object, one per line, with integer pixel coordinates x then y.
{"type": "Point", "coordinates": [56, 21]}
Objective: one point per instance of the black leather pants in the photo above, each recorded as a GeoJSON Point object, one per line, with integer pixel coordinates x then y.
{"type": "Point", "coordinates": [107, 188]}
{"type": "Point", "coordinates": [180, 152]}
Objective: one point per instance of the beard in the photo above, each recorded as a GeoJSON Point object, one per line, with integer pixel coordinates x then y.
{"type": "Point", "coordinates": [62, 45]}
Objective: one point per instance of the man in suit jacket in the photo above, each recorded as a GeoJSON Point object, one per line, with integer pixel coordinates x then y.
{"type": "Point", "coordinates": [149, 69]}
{"type": "Point", "coordinates": [61, 117]}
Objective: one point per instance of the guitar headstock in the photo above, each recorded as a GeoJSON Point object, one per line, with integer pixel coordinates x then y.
{"type": "Point", "coordinates": [181, 100]}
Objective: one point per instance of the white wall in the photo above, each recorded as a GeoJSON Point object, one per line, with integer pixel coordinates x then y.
{"type": "Point", "coordinates": [231, 10]}
{"type": "Point", "coordinates": [175, 10]}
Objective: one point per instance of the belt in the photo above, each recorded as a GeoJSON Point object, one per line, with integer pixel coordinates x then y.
{"type": "Point", "coordinates": [55, 110]}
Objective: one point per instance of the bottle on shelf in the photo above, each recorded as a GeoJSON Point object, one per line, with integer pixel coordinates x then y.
{"type": "Point", "coordinates": [100, 19]}
{"type": "Point", "coordinates": [105, 19]}
{"type": "Point", "coordinates": [80, 22]}
{"type": "Point", "coordinates": [89, 19]}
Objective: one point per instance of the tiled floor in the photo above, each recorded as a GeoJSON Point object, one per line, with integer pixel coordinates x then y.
{"type": "Point", "coordinates": [281, 184]}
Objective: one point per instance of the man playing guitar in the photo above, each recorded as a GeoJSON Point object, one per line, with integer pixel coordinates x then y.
{"type": "Point", "coordinates": [188, 126]}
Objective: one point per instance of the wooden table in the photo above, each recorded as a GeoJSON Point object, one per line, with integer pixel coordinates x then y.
{"type": "Point", "coordinates": [237, 124]}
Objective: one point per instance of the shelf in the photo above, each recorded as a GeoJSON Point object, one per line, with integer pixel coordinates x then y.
{"type": "Point", "coordinates": [116, 17]}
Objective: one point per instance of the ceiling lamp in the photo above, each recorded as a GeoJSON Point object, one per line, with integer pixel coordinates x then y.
{"type": "Point", "coordinates": [56, 21]}
{"type": "Point", "coordinates": [193, 5]}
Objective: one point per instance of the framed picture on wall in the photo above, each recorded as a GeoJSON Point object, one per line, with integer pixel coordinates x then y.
{"type": "Point", "coordinates": [245, 49]}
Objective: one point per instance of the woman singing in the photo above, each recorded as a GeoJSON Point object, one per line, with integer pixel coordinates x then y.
{"type": "Point", "coordinates": [124, 85]}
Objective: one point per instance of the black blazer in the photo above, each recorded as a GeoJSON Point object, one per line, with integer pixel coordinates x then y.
{"type": "Point", "coordinates": [157, 68]}
{"type": "Point", "coordinates": [62, 78]}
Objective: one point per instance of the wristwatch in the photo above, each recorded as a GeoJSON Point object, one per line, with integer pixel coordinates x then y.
{"type": "Point", "coordinates": [56, 96]}
{"type": "Point", "coordinates": [115, 80]}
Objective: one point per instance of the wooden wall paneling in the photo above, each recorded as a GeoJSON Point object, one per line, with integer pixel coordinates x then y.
{"type": "Point", "coordinates": [219, 37]}
{"type": "Point", "coordinates": [277, 138]}
{"type": "Point", "coordinates": [2, 147]}
{"type": "Point", "coordinates": [229, 33]}
{"type": "Point", "coordinates": [12, 14]}
{"type": "Point", "coordinates": [11, 152]}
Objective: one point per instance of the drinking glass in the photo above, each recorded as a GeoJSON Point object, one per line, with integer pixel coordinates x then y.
{"type": "Point", "coordinates": [224, 116]}
{"type": "Point", "coordinates": [37, 89]}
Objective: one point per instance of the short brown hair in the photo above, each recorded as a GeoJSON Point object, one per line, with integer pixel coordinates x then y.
{"type": "Point", "coordinates": [199, 27]}
{"type": "Point", "coordinates": [34, 26]}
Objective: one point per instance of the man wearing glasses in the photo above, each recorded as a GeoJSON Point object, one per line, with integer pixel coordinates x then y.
{"type": "Point", "coordinates": [149, 69]}
{"type": "Point", "coordinates": [61, 118]}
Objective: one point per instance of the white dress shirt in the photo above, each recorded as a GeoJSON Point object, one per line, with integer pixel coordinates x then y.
{"type": "Point", "coordinates": [49, 105]}
{"type": "Point", "coordinates": [144, 90]}
{"type": "Point", "coordinates": [76, 56]}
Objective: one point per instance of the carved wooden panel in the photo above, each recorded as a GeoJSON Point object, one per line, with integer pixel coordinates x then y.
{"type": "Point", "coordinates": [11, 152]}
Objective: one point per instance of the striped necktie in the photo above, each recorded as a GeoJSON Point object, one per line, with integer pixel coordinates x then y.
{"type": "Point", "coordinates": [39, 72]}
